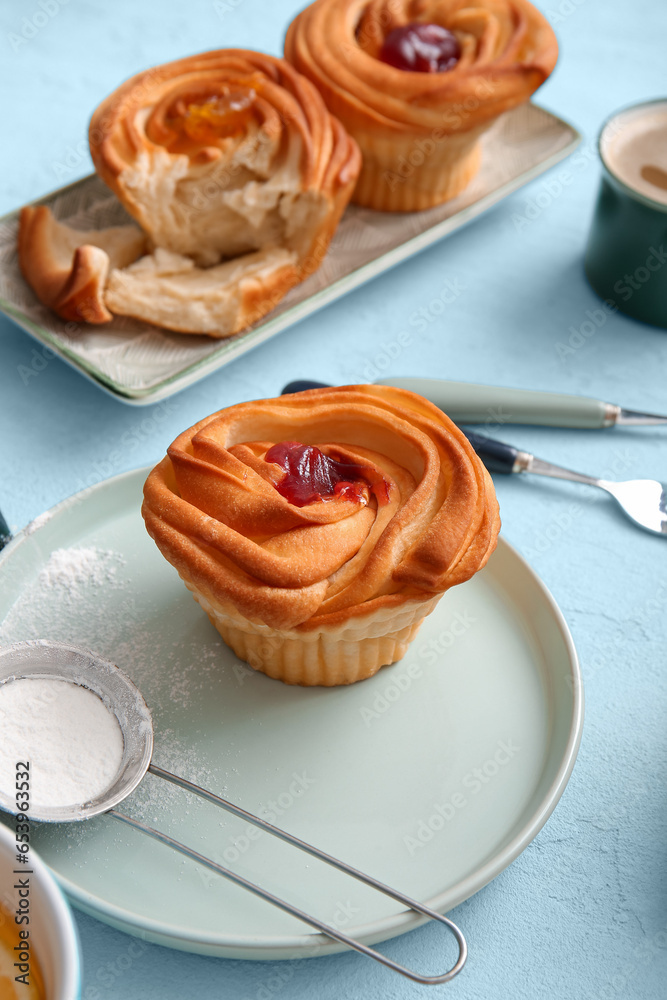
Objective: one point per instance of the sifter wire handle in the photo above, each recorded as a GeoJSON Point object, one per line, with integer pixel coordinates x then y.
{"type": "Point", "coordinates": [331, 932]}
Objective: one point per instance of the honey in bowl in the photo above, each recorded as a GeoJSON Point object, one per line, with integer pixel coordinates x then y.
{"type": "Point", "coordinates": [14, 949]}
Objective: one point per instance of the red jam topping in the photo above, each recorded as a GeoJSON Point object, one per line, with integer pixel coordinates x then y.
{"type": "Point", "coordinates": [421, 48]}
{"type": "Point", "coordinates": [310, 475]}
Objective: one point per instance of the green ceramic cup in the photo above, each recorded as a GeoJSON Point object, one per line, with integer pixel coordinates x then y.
{"type": "Point", "coordinates": [626, 256]}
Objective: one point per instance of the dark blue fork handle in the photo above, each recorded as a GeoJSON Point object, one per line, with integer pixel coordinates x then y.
{"type": "Point", "coordinates": [496, 455]}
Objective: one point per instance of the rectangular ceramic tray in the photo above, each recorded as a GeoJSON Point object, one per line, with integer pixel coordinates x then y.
{"type": "Point", "coordinates": [142, 364]}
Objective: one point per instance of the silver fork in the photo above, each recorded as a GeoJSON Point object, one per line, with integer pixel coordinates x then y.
{"type": "Point", "coordinates": [643, 500]}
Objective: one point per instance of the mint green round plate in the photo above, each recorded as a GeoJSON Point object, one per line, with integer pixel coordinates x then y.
{"type": "Point", "coordinates": [432, 776]}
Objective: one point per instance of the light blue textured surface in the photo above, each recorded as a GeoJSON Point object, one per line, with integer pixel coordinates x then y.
{"type": "Point", "coordinates": [583, 912]}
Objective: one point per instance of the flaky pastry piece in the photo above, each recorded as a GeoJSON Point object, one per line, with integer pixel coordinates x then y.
{"type": "Point", "coordinates": [68, 268]}
{"type": "Point", "coordinates": [318, 529]}
{"type": "Point", "coordinates": [168, 289]}
{"type": "Point", "coordinates": [419, 131]}
{"type": "Point", "coordinates": [222, 157]}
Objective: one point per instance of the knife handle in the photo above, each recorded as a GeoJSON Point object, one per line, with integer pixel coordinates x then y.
{"type": "Point", "coordinates": [466, 402]}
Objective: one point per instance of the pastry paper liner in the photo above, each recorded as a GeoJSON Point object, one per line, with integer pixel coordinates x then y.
{"type": "Point", "coordinates": [416, 172]}
{"type": "Point", "coordinates": [327, 655]}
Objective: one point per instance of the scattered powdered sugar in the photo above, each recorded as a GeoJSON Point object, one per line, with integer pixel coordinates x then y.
{"type": "Point", "coordinates": [38, 522]}
{"type": "Point", "coordinates": [71, 741]}
{"type": "Point", "coordinates": [155, 801]}
{"type": "Point", "coordinates": [69, 569]}
{"type": "Point", "coordinates": [107, 601]}
{"type": "Point", "coordinates": [70, 600]}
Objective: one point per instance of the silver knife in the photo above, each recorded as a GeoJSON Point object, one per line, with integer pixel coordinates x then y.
{"type": "Point", "coordinates": [467, 402]}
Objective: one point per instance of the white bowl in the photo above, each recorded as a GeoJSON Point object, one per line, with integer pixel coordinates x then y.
{"type": "Point", "coordinates": [52, 931]}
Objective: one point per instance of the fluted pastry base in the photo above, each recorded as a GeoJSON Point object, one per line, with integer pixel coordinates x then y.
{"type": "Point", "coordinates": [326, 656]}
{"type": "Point", "coordinates": [415, 173]}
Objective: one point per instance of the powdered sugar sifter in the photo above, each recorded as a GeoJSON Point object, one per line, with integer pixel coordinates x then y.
{"type": "Point", "coordinates": [60, 661]}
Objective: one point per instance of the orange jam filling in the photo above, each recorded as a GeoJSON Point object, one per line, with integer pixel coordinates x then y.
{"type": "Point", "coordinates": [217, 117]}
{"type": "Point", "coordinates": [192, 124]}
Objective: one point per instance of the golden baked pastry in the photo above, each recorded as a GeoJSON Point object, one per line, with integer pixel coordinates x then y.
{"type": "Point", "coordinates": [68, 268]}
{"type": "Point", "coordinates": [236, 170]}
{"type": "Point", "coordinates": [318, 529]}
{"type": "Point", "coordinates": [419, 130]}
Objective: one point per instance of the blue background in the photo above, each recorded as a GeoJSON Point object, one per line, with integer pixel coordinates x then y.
{"type": "Point", "coordinates": [583, 912]}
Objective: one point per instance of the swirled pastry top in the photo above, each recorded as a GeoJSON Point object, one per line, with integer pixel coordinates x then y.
{"type": "Point", "coordinates": [507, 50]}
{"type": "Point", "coordinates": [423, 517]}
{"type": "Point", "coordinates": [224, 153]}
